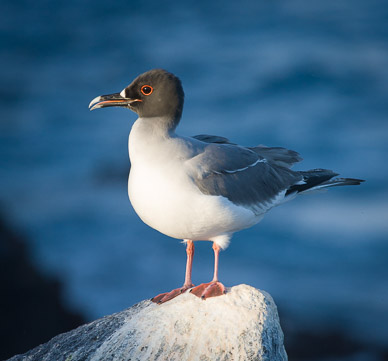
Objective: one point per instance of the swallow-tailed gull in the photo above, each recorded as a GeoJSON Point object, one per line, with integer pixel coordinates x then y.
{"type": "Point", "coordinates": [203, 187]}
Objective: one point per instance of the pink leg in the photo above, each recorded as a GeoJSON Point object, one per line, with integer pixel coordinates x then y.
{"type": "Point", "coordinates": [216, 249]}
{"type": "Point", "coordinates": [189, 264]}
{"type": "Point", "coordinates": [213, 288]}
{"type": "Point", "coordinates": [164, 297]}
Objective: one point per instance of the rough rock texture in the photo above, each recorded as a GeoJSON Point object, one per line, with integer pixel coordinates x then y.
{"type": "Point", "coordinates": [242, 325]}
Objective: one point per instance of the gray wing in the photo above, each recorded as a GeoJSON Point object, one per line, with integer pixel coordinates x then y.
{"type": "Point", "coordinates": [276, 155]}
{"type": "Point", "coordinates": [212, 139]}
{"type": "Point", "coordinates": [241, 175]}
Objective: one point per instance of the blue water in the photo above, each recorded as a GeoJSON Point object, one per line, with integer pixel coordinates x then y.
{"type": "Point", "coordinates": [304, 75]}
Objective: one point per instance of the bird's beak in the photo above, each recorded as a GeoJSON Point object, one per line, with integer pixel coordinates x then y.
{"type": "Point", "coordinates": [111, 100]}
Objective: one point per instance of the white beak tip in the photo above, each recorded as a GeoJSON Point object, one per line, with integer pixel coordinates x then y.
{"type": "Point", "coordinates": [94, 103]}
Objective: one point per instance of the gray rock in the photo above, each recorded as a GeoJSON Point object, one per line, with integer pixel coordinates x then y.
{"type": "Point", "coordinates": [241, 325]}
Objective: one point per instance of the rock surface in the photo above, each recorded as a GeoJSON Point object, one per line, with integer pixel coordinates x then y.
{"type": "Point", "coordinates": [241, 325]}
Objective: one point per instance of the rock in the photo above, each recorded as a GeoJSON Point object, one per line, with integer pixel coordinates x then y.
{"type": "Point", "coordinates": [241, 325]}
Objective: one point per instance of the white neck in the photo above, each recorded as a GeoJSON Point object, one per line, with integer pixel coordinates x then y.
{"type": "Point", "coordinates": [147, 137]}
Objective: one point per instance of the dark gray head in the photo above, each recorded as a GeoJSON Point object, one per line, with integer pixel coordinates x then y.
{"type": "Point", "coordinates": [156, 93]}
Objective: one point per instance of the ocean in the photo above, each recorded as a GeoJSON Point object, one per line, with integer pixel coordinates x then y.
{"type": "Point", "coordinates": [308, 76]}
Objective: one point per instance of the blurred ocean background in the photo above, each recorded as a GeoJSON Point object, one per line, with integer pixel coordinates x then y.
{"type": "Point", "coordinates": [306, 75]}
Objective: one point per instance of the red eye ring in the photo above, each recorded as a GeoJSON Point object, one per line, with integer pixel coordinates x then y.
{"type": "Point", "coordinates": [147, 89]}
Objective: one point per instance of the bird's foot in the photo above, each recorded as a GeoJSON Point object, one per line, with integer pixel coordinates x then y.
{"type": "Point", "coordinates": [164, 297]}
{"type": "Point", "coordinates": [211, 289]}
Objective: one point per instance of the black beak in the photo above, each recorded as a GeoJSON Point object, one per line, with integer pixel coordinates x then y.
{"type": "Point", "coordinates": [111, 100]}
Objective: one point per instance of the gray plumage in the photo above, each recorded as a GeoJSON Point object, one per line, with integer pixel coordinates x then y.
{"type": "Point", "coordinates": [253, 177]}
{"type": "Point", "coordinates": [167, 98]}
{"type": "Point", "coordinates": [277, 155]}
{"type": "Point", "coordinates": [203, 187]}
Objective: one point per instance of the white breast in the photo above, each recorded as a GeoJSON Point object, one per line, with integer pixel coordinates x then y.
{"type": "Point", "coordinates": [164, 196]}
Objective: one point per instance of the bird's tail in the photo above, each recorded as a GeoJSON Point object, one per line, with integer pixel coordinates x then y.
{"type": "Point", "coordinates": [317, 179]}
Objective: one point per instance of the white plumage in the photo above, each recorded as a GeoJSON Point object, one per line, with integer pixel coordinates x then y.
{"type": "Point", "coordinates": [202, 187]}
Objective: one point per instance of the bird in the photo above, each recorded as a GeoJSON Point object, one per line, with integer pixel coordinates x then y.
{"type": "Point", "coordinates": [204, 187]}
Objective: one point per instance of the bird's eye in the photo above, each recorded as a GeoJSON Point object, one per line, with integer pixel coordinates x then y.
{"type": "Point", "coordinates": [147, 89]}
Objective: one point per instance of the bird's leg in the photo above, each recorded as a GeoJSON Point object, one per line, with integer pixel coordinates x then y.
{"type": "Point", "coordinates": [216, 249]}
{"type": "Point", "coordinates": [189, 264]}
{"type": "Point", "coordinates": [213, 288]}
{"type": "Point", "coordinates": [164, 297]}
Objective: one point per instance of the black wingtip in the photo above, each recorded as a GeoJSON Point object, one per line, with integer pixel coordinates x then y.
{"type": "Point", "coordinates": [349, 181]}
{"type": "Point", "coordinates": [319, 179]}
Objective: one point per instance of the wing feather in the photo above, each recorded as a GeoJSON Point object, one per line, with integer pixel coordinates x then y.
{"type": "Point", "coordinates": [241, 175]}
{"type": "Point", "coordinates": [277, 155]}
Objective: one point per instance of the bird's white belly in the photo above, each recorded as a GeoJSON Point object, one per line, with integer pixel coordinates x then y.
{"type": "Point", "coordinates": [167, 200]}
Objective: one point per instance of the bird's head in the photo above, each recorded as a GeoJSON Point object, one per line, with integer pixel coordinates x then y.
{"type": "Point", "coordinates": [156, 93]}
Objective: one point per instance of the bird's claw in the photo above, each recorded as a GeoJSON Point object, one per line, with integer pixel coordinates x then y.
{"type": "Point", "coordinates": [167, 296]}
{"type": "Point", "coordinates": [207, 290]}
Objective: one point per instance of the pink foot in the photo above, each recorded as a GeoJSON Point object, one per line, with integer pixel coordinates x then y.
{"type": "Point", "coordinates": [164, 297]}
{"type": "Point", "coordinates": [211, 289]}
